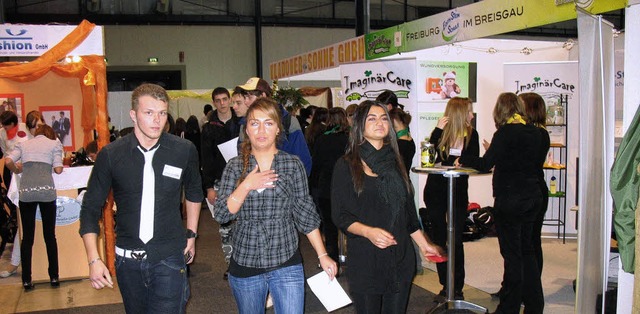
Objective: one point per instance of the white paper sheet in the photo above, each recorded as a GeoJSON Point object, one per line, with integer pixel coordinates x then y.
{"type": "Point", "coordinates": [210, 206]}
{"type": "Point", "coordinates": [229, 149]}
{"type": "Point", "coordinates": [330, 293]}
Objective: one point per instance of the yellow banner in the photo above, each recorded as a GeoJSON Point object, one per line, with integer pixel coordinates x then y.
{"type": "Point", "coordinates": [477, 20]}
{"type": "Point", "coordinates": [348, 51]}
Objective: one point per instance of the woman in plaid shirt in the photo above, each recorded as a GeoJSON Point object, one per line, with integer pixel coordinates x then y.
{"type": "Point", "coordinates": [266, 191]}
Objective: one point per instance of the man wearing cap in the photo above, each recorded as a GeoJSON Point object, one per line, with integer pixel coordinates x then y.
{"type": "Point", "coordinates": [223, 125]}
{"type": "Point", "coordinates": [146, 171]}
{"type": "Point", "coordinates": [293, 140]}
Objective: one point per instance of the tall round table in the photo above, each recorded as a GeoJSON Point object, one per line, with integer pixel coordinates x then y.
{"type": "Point", "coordinates": [451, 174]}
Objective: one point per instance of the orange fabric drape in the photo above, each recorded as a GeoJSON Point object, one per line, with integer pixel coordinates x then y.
{"type": "Point", "coordinates": [91, 73]}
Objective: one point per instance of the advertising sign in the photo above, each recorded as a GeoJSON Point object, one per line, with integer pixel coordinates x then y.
{"type": "Point", "coordinates": [442, 80]}
{"type": "Point", "coordinates": [328, 57]}
{"type": "Point", "coordinates": [480, 19]}
{"type": "Point", "coordinates": [365, 81]}
{"type": "Point", "coordinates": [551, 80]}
{"type": "Point", "coordinates": [34, 40]}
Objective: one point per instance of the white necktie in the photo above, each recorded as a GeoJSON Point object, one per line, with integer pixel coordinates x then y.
{"type": "Point", "coordinates": [148, 196]}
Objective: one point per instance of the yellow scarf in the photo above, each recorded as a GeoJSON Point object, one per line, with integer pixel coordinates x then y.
{"type": "Point", "coordinates": [517, 118]}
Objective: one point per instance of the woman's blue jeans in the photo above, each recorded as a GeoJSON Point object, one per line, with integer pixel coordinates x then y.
{"type": "Point", "coordinates": [285, 284]}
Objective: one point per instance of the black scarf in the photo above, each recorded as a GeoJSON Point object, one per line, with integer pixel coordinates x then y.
{"type": "Point", "coordinates": [390, 183]}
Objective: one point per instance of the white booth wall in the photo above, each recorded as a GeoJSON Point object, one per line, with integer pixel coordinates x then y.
{"type": "Point", "coordinates": [490, 84]}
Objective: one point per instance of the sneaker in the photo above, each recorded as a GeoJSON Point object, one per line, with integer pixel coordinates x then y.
{"type": "Point", "coordinates": [458, 295]}
{"type": "Point", "coordinates": [8, 273]}
{"type": "Point", "coordinates": [55, 282]}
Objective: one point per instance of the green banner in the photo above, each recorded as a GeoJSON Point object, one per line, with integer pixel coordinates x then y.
{"type": "Point", "coordinates": [481, 19]}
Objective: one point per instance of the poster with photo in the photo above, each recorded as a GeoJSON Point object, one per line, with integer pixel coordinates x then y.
{"type": "Point", "coordinates": [60, 119]}
{"type": "Point", "coordinates": [13, 102]}
{"type": "Point", "coordinates": [439, 81]}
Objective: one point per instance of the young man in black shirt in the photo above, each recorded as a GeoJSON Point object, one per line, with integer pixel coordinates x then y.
{"type": "Point", "coordinates": [146, 171]}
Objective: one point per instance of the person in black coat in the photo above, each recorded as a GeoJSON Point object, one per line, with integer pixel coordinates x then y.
{"type": "Point", "coordinates": [453, 137]}
{"type": "Point", "coordinates": [535, 110]}
{"type": "Point", "coordinates": [330, 146]}
{"type": "Point", "coordinates": [514, 155]}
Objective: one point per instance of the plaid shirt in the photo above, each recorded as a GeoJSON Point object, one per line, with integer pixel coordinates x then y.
{"type": "Point", "coordinates": [265, 233]}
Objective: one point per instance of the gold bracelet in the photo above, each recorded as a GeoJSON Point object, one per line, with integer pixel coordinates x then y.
{"type": "Point", "coordinates": [234, 199]}
{"type": "Point", "coordinates": [94, 261]}
{"type": "Point", "coordinates": [323, 254]}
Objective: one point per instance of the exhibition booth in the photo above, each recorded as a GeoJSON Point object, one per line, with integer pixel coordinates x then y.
{"type": "Point", "coordinates": [66, 80]}
{"type": "Point", "coordinates": [416, 59]}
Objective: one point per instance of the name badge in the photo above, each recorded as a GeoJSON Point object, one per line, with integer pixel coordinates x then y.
{"type": "Point", "coordinates": [455, 152]}
{"type": "Point", "coordinates": [171, 172]}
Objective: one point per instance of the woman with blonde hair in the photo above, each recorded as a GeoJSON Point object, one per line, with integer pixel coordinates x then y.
{"type": "Point", "coordinates": [514, 155]}
{"type": "Point", "coordinates": [265, 191]}
{"type": "Point", "coordinates": [453, 137]}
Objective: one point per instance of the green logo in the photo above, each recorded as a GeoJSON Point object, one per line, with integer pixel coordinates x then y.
{"type": "Point", "coordinates": [354, 97]}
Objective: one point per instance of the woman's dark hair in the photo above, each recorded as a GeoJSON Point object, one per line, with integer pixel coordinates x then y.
{"type": "Point", "coordinates": [45, 130]}
{"type": "Point", "coordinates": [170, 127]}
{"type": "Point", "coordinates": [388, 97]}
{"type": "Point", "coordinates": [8, 117]}
{"type": "Point", "coordinates": [337, 117]}
{"type": "Point", "coordinates": [535, 109]}
{"type": "Point", "coordinates": [356, 138]}
{"type": "Point", "coordinates": [305, 113]}
{"type": "Point", "coordinates": [317, 125]}
{"type": "Point", "coordinates": [180, 127]}
{"type": "Point", "coordinates": [192, 125]}
{"type": "Point", "coordinates": [400, 115]}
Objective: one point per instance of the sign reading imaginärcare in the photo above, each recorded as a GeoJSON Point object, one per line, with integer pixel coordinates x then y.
{"type": "Point", "coordinates": [365, 81]}
{"type": "Point", "coordinates": [551, 80]}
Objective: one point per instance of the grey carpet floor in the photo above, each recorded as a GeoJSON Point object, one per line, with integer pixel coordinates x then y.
{"type": "Point", "coordinates": [211, 294]}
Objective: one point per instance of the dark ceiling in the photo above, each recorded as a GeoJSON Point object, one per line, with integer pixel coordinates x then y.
{"type": "Point", "coordinates": [300, 13]}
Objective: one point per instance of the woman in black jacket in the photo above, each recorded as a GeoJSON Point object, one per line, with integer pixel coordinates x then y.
{"type": "Point", "coordinates": [372, 203]}
{"type": "Point", "coordinates": [514, 155]}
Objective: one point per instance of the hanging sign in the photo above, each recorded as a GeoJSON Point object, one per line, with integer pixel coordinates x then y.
{"type": "Point", "coordinates": [480, 19]}
{"type": "Point", "coordinates": [18, 40]}
{"type": "Point", "coordinates": [348, 51]}
{"type": "Point", "coordinates": [365, 81]}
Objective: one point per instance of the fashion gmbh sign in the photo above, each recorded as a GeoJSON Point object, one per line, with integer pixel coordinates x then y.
{"type": "Point", "coordinates": [34, 40]}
